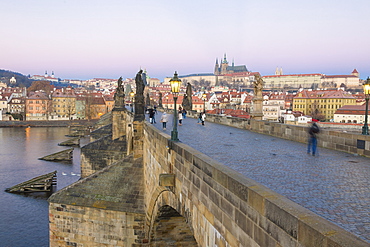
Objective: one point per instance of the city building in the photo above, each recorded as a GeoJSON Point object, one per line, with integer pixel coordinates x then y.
{"type": "Point", "coordinates": [310, 81]}
{"type": "Point", "coordinates": [322, 104]}
{"type": "Point", "coordinates": [16, 106]}
{"type": "Point", "coordinates": [38, 106]}
{"type": "Point", "coordinates": [294, 81]}
{"type": "Point", "coordinates": [80, 106]}
{"type": "Point", "coordinates": [3, 104]}
{"type": "Point", "coordinates": [348, 81]}
{"type": "Point", "coordinates": [45, 77]}
{"type": "Point", "coordinates": [350, 114]}
{"type": "Point", "coordinates": [109, 101]}
{"type": "Point", "coordinates": [64, 104]}
{"type": "Point", "coordinates": [97, 108]}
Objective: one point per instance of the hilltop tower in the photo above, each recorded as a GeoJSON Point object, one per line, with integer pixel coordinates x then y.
{"type": "Point", "coordinates": [355, 73]}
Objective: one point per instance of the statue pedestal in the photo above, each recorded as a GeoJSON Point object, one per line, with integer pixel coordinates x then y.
{"type": "Point", "coordinates": [118, 122]}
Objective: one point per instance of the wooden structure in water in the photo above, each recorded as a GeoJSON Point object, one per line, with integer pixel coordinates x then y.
{"type": "Point", "coordinates": [43, 183]}
{"type": "Point", "coordinates": [65, 155]}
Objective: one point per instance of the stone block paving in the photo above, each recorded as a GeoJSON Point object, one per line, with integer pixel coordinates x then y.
{"type": "Point", "coordinates": [333, 184]}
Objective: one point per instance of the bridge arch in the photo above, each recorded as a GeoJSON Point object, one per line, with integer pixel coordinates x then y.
{"type": "Point", "coordinates": [171, 228]}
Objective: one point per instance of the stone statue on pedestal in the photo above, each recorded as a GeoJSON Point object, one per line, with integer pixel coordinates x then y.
{"type": "Point", "coordinates": [139, 96]}
{"type": "Point", "coordinates": [119, 95]}
{"type": "Point", "coordinates": [187, 101]}
{"type": "Point", "coordinates": [258, 86]}
{"type": "Point", "coordinates": [160, 100]}
{"type": "Point", "coordinates": [257, 99]}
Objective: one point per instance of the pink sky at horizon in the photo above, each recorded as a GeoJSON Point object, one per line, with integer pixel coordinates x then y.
{"type": "Point", "coordinates": [108, 39]}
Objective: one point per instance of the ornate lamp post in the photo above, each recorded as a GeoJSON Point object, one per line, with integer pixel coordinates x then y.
{"type": "Point", "coordinates": [365, 128]}
{"type": "Point", "coordinates": [204, 97]}
{"type": "Point", "coordinates": [175, 89]}
{"type": "Point", "coordinates": [132, 95]}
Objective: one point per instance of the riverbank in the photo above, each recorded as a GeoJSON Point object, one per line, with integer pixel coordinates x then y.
{"type": "Point", "coordinates": [59, 123]}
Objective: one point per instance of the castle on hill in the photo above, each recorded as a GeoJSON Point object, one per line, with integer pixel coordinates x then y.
{"type": "Point", "coordinates": [224, 68]}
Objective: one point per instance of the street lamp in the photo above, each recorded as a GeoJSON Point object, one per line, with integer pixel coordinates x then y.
{"type": "Point", "coordinates": [132, 95]}
{"type": "Point", "coordinates": [204, 96]}
{"type": "Point", "coordinates": [365, 128]}
{"type": "Point", "coordinates": [175, 89]}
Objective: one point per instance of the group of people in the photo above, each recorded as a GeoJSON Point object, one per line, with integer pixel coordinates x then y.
{"type": "Point", "coordinates": [312, 131]}
{"type": "Point", "coordinates": [181, 115]}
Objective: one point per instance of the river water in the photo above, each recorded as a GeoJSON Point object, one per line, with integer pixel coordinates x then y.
{"type": "Point", "coordinates": [24, 217]}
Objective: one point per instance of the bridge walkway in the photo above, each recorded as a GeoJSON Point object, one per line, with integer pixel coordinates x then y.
{"type": "Point", "coordinates": [333, 184]}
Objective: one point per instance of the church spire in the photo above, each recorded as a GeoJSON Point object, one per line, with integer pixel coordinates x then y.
{"type": "Point", "coordinates": [224, 61]}
{"type": "Point", "coordinates": [217, 69]}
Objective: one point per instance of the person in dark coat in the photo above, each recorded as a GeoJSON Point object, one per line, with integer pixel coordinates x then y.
{"type": "Point", "coordinates": [152, 116]}
{"type": "Point", "coordinates": [312, 138]}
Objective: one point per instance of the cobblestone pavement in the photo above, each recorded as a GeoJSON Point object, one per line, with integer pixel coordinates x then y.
{"type": "Point", "coordinates": [334, 185]}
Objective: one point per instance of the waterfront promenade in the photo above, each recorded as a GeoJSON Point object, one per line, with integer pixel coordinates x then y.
{"type": "Point", "coordinates": [47, 123]}
{"type": "Point", "coordinates": [334, 185]}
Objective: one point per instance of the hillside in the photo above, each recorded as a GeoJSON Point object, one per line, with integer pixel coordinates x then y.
{"type": "Point", "coordinates": [22, 80]}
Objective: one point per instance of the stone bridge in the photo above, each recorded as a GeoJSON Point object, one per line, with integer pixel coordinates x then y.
{"type": "Point", "coordinates": [139, 188]}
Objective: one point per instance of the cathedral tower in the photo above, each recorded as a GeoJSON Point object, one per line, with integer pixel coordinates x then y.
{"type": "Point", "coordinates": [224, 65]}
{"type": "Point", "coordinates": [217, 69]}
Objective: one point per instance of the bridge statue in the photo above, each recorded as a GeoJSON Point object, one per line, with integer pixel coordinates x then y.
{"type": "Point", "coordinates": [257, 99]}
{"type": "Point", "coordinates": [119, 95]}
{"type": "Point", "coordinates": [187, 102]}
{"type": "Point", "coordinates": [139, 96]}
{"type": "Point", "coordinates": [160, 100]}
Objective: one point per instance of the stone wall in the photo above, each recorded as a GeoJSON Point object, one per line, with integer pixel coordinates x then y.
{"type": "Point", "coordinates": [104, 209]}
{"type": "Point", "coordinates": [84, 226]}
{"type": "Point", "coordinates": [224, 208]}
{"type": "Point", "coordinates": [101, 153]}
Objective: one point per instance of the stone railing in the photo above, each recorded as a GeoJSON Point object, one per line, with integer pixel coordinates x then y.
{"type": "Point", "coordinates": [338, 140]}
{"type": "Point", "coordinates": [225, 208]}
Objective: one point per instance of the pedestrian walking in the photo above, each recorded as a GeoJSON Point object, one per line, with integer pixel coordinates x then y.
{"type": "Point", "coordinates": [312, 138]}
{"type": "Point", "coordinates": [203, 117]}
{"type": "Point", "coordinates": [164, 120]}
{"type": "Point", "coordinates": [184, 113]}
{"type": "Point", "coordinates": [180, 117]}
{"type": "Point", "coordinates": [199, 117]}
{"type": "Point", "coordinates": [152, 116]}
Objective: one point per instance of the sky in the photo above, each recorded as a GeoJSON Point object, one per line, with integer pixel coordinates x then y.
{"type": "Point", "coordinates": [84, 39]}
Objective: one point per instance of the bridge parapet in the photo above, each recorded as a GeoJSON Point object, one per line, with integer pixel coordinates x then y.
{"type": "Point", "coordinates": [333, 139]}
{"type": "Point", "coordinates": [224, 208]}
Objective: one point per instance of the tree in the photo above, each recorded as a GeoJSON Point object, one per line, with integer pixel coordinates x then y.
{"type": "Point", "coordinates": [70, 107]}
{"type": "Point", "coordinates": [40, 86]}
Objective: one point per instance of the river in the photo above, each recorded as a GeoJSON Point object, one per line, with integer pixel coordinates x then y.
{"type": "Point", "coordinates": [24, 218]}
